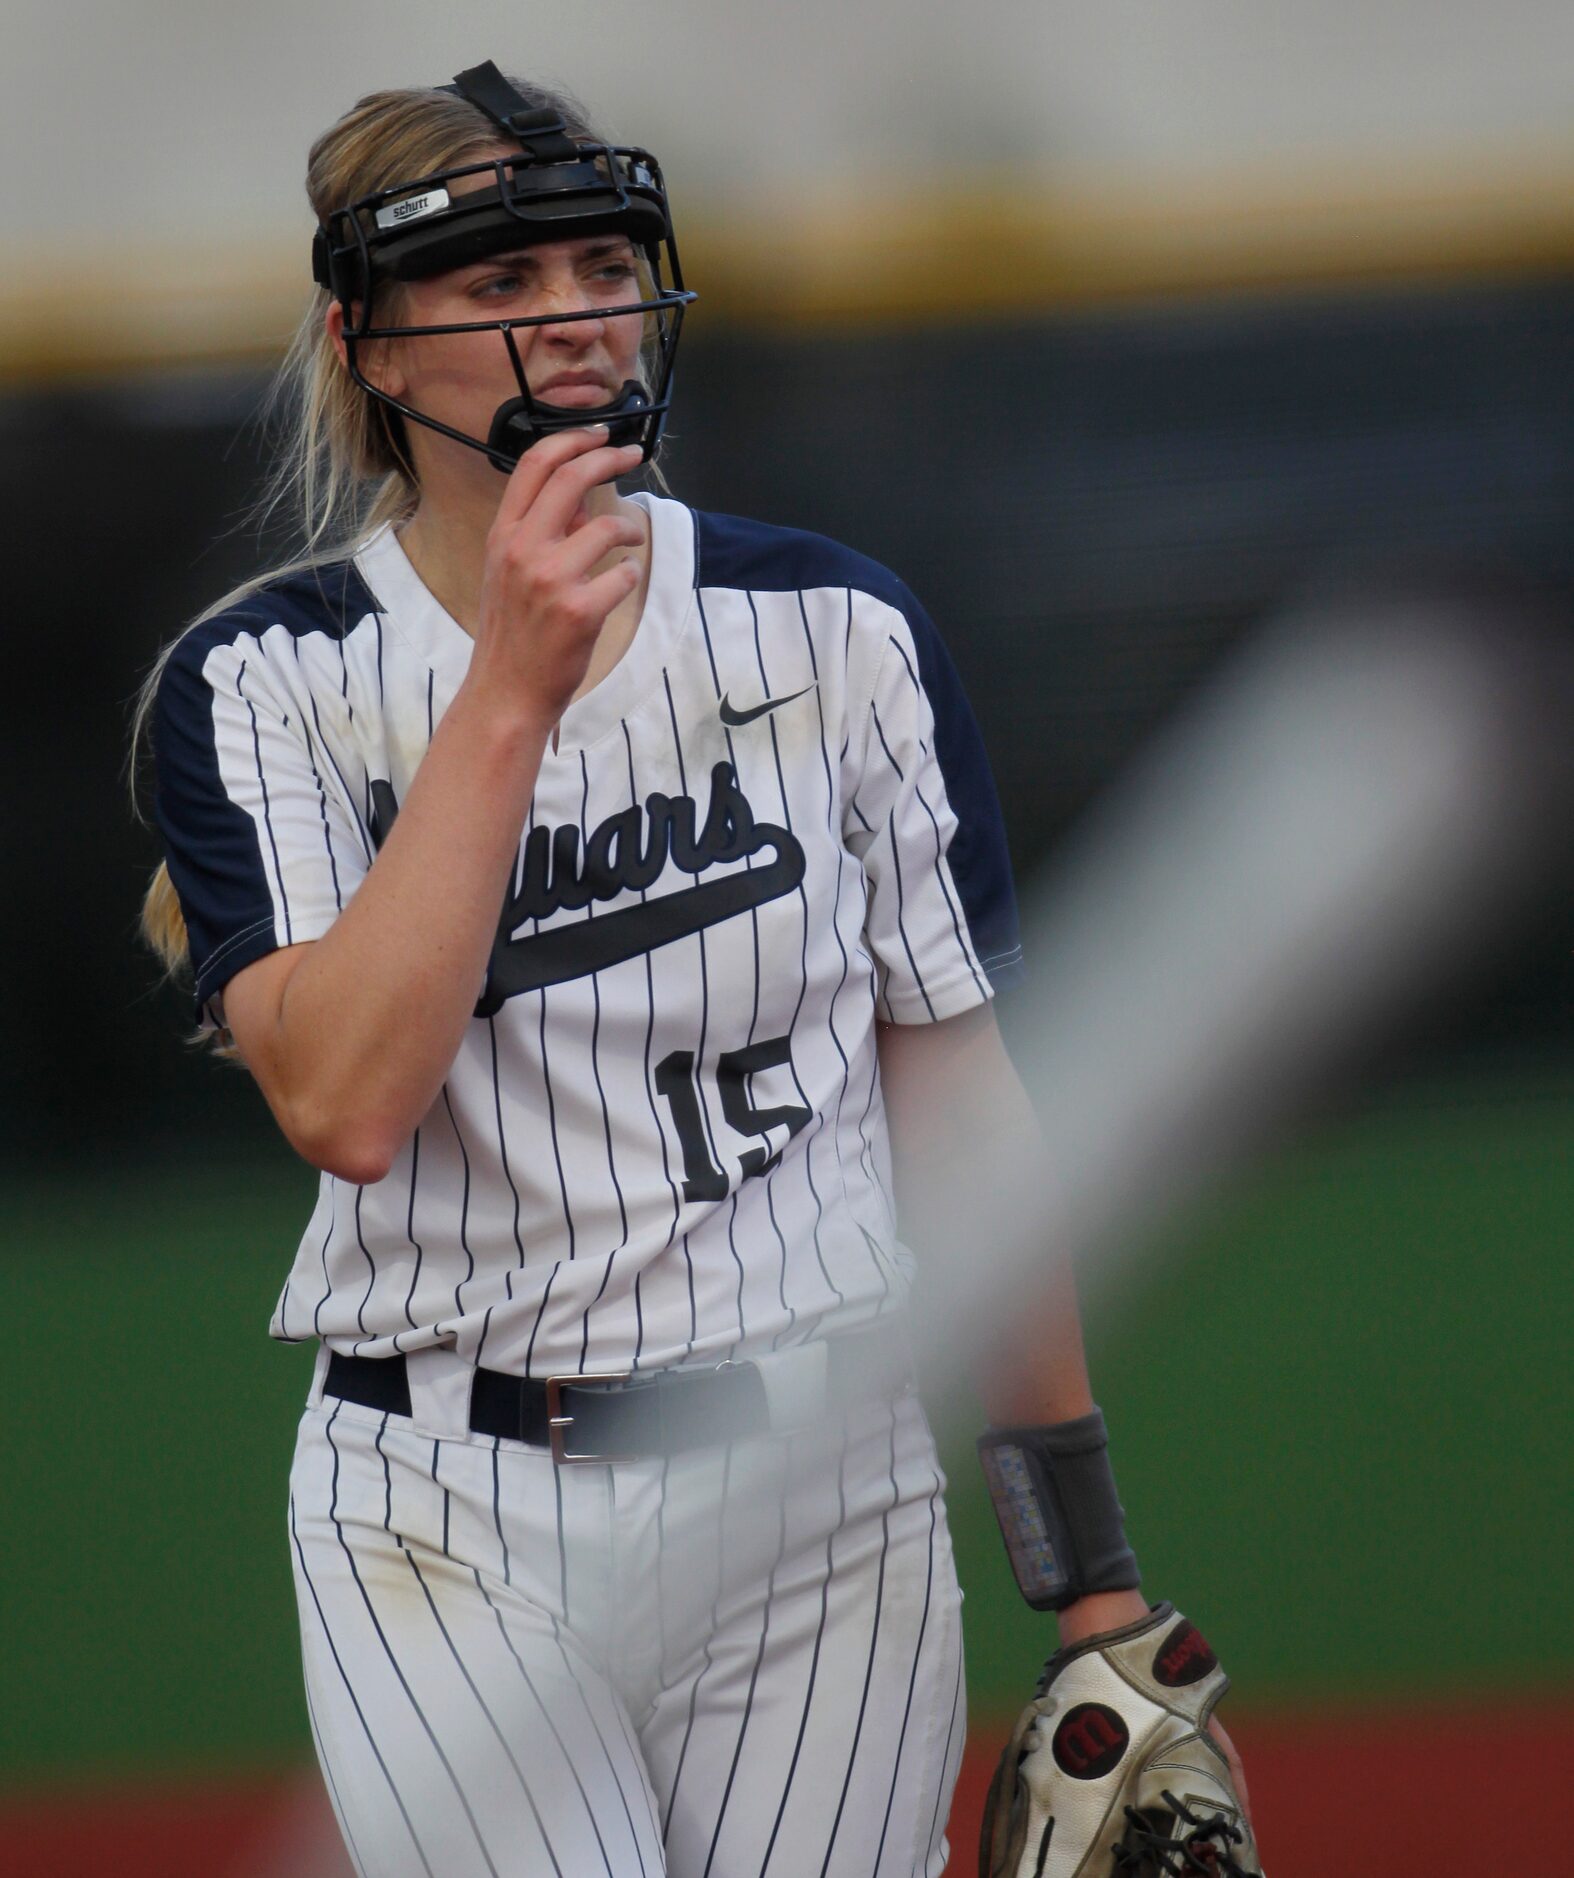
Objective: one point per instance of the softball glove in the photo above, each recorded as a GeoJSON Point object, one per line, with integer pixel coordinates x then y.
{"type": "Point", "coordinates": [1110, 1772]}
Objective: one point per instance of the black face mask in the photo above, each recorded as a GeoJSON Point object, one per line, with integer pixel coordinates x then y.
{"type": "Point", "coordinates": [556, 189]}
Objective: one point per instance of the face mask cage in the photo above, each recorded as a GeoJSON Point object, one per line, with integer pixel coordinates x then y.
{"type": "Point", "coordinates": [555, 190]}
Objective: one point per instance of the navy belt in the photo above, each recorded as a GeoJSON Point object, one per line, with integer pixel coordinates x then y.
{"type": "Point", "coordinates": [634, 1417]}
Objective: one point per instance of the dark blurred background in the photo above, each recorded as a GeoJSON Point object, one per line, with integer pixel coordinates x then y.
{"type": "Point", "coordinates": [1109, 395]}
{"type": "Point", "coordinates": [1095, 507]}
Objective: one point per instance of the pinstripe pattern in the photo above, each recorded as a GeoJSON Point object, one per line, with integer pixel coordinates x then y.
{"type": "Point", "coordinates": [912, 1680]}
{"type": "Point", "coordinates": [551, 1726]}
{"type": "Point", "coordinates": [739, 1660]}
{"type": "Point", "coordinates": [836, 910]}
{"type": "Point", "coordinates": [416, 1708]}
{"type": "Point", "coordinates": [814, 1663]}
{"type": "Point", "coordinates": [463, 1724]}
{"type": "Point", "coordinates": [601, 1093]}
{"type": "Point", "coordinates": [735, 1725]}
{"type": "Point", "coordinates": [339, 1813]}
{"type": "Point", "coordinates": [326, 1755]}
{"type": "Point", "coordinates": [950, 1766]}
{"type": "Point", "coordinates": [754, 1680]}
{"type": "Point", "coordinates": [708, 1643]}
{"type": "Point", "coordinates": [856, 1738]}
{"type": "Point", "coordinates": [371, 1264]}
{"type": "Point", "coordinates": [314, 746]}
{"type": "Point", "coordinates": [754, 1006]}
{"type": "Point", "coordinates": [542, 1208]}
{"type": "Point", "coordinates": [327, 825]}
{"type": "Point", "coordinates": [790, 1724]}
{"type": "Point", "coordinates": [940, 871]}
{"type": "Point", "coordinates": [650, 1092]}
{"type": "Point", "coordinates": [342, 794]}
{"type": "Point", "coordinates": [409, 1231]}
{"type": "Point", "coordinates": [267, 817]}
{"type": "Point", "coordinates": [812, 1131]}
{"type": "Point", "coordinates": [895, 840]}
{"type": "Point", "coordinates": [325, 1209]}
{"type": "Point", "coordinates": [461, 1223]}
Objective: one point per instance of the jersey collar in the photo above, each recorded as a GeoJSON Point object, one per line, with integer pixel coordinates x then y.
{"type": "Point", "coordinates": [413, 614]}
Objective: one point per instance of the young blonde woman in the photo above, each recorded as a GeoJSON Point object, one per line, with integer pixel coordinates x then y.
{"type": "Point", "coordinates": [602, 895]}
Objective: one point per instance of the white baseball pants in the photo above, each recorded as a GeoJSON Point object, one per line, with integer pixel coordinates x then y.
{"type": "Point", "coordinates": [740, 1661]}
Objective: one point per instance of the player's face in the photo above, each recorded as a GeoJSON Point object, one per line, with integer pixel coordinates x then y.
{"type": "Point", "coordinates": [462, 378]}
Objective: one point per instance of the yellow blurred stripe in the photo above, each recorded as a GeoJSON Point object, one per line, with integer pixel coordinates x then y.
{"type": "Point", "coordinates": [995, 243]}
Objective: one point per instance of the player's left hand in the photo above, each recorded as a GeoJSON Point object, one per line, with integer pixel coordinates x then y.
{"type": "Point", "coordinates": [1117, 1766]}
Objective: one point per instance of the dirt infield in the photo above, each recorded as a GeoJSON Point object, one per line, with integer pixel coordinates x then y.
{"type": "Point", "coordinates": [1393, 1793]}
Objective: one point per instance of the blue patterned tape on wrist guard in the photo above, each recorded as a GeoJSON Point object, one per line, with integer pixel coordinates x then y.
{"type": "Point", "coordinates": [1054, 1496]}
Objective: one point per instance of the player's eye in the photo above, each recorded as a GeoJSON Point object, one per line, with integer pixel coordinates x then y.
{"type": "Point", "coordinates": [496, 287]}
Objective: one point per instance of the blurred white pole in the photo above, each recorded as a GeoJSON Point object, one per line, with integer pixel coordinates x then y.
{"type": "Point", "coordinates": [1327, 835]}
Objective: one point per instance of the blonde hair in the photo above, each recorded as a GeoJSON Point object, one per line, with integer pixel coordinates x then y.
{"type": "Point", "coordinates": [340, 471]}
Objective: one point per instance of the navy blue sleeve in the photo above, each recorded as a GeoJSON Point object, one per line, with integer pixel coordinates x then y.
{"type": "Point", "coordinates": [261, 845]}
{"type": "Point", "coordinates": [979, 857]}
{"type": "Point", "coordinates": [212, 845]}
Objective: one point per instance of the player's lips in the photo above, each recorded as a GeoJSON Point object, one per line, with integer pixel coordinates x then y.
{"type": "Point", "coordinates": [574, 389]}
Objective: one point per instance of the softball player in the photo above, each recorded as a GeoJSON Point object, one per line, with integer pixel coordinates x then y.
{"type": "Point", "coordinates": [617, 1528]}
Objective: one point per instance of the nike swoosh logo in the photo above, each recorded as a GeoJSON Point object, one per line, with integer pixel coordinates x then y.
{"type": "Point", "coordinates": [733, 718]}
{"type": "Point", "coordinates": [591, 945]}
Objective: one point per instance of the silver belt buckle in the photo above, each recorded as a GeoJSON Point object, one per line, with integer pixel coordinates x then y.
{"type": "Point", "coordinates": [558, 1423]}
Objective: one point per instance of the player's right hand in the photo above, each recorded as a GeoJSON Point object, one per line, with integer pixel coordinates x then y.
{"type": "Point", "coordinates": [543, 604]}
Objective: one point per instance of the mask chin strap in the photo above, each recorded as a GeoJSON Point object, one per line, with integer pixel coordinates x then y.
{"type": "Point", "coordinates": [521, 422]}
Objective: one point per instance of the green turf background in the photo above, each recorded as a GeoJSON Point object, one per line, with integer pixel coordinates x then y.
{"type": "Point", "coordinates": [1341, 1411]}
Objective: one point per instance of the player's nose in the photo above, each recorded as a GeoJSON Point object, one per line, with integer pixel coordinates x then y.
{"type": "Point", "coordinates": [564, 301]}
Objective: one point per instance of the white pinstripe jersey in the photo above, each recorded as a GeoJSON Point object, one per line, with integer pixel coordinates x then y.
{"type": "Point", "coordinates": [662, 1137]}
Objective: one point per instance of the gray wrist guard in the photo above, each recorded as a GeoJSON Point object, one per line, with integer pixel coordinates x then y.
{"type": "Point", "coordinates": [1054, 1496]}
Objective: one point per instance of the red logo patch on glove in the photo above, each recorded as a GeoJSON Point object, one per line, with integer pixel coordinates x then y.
{"type": "Point", "coordinates": [1183, 1657]}
{"type": "Point", "coordinates": [1090, 1741]}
